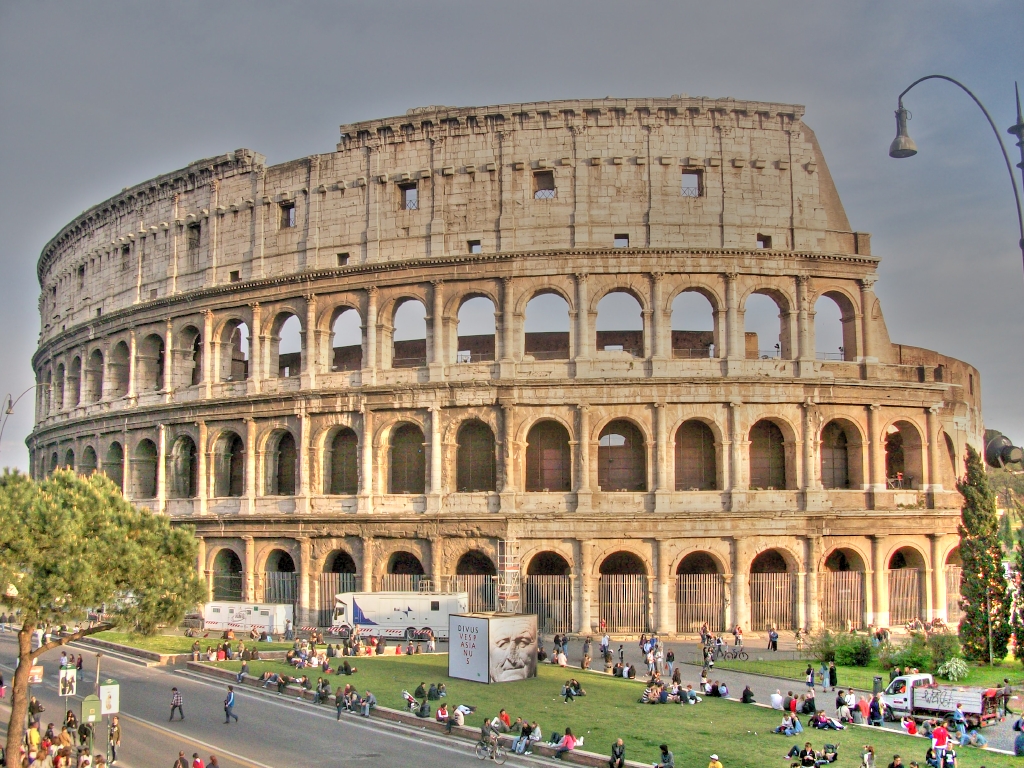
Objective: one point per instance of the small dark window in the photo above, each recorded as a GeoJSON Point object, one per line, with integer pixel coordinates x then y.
{"type": "Point", "coordinates": [693, 184]}
{"type": "Point", "coordinates": [195, 231]}
{"type": "Point", "coordinates": [152, 293]}
{"type": "Point", "coordinates": [287, 215]}
{"type": "Point", "coordinates": [435, 605]}
{"type": "Point", "coordinates": [475, 247]}
{"type": "Point", "coordinates": [81, 277]}
{"type": "Point", "coordinates": [342, 259]}
{"type": "Point", "coordinates": [235, 276]}
{"type": "Point", "coordinates": [544, 185]}
{"type": "Point", "coordinates": [621, 241]}
{"type": "Point", "coordinates": [764, 241]}
{"type": "Point", "coordinates": [970, 383]}
{"type": "Point", "coordinates": [126, 255]}
{"type": "Point", "coordinates": [99, 311]}
{"type": "Point", "coordinates": [409, 196]}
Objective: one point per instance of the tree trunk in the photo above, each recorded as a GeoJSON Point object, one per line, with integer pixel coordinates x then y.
{"type": "Point", "coordinates": [19, 696]}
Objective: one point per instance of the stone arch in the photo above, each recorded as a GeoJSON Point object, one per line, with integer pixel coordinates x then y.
{"type": "Point", "coordinates": [475, 329]}
{"type": "Point", "coordinates": [772, 560]}
{"type": "Point", "coordinates": [118, 368]}
{"type": "Point", "coordinates": [93, 389]}
{"type": "Point", "coordinates": [69, 459]}
{"type": "Point", "coordinates": [475, 563]}
{"type": "Point", "coordinates": [622, 561]}
{"type": "Point", "coordinates": [623, 593]}
{"type": "Point", "coordinates": [548, 457]}
{"type": "Point", "coordinates": [548, 563]}
{"type": "Point", "coordinates": [694, 323]}
{"type": "Point", "coordinates": [278, 560]}
{"type": "Point", "coordinates": [226, 571]}
{"type": "Point", "coordinates": [907, 573]}
{"type": "Point", "coordinates": [88, 463]}
{"type": "Point", "coordinates": [183, 468]}
{"type": "Point", "coordinates": [948, 461]}
{"type": "Point", "coordinates": [188, 368]}
{"type": "Point", "coordinates": [547, 329]}
{"type": "Point", "coordinates": [906, 555]}
{"type": "Point", "coordinates": [622, 456]}
{"type": "Point", "coordinates": [613, 332]}
{"type": "Point", "coordinates": [341, 462]}
{"type": "Point", "coordinates": [73, 391]}
{"type": "Point", "coordinates": [113, 464]}
{"type": "Point", "coordinates": [843, 559]}
{"type": "Point", "coordinates": [770, 462]}
{"type": "Point", "coordinates": [845, 333]}
{"type": "Point", "coordinates": [150, 362]}
{"type": "Point", "coordinates": [404, 563]}
{"type": "Point", "coordinates": [841, 455]}
{"type": "Point", "coordinates": [58, 388]}
{"type": "Point", "coordinates": [228, 465]}
{"type": "Point", "coordinates": [904, 454]}
{"type": "Point", "coordinates": [340, 561]}
{"type": "Point", "coordinates": [346, 337]}
{"type": "Point", "coordinates": [407, 330]}
{"type": "Point", "coordinates": [762, 324]}
{"type": "Point", "coordinates": [773, 589]}
{"type": "Point", "coordinates": [287, 349]}
{"type": "Point", "coordinates": [696, 463]}
{"type": "Point", "coordinates": [843, 588]}
{"type": "Point", "coordinates": [476, 459]}
{"type": "Point", "coordinates": [235, 348]}
{"type": "Point", "coordinates": [281, 465]}
{"type": "Point", "coordinates": [407, 468]}
{"type": "Point", "coordinates": [143, 468]}
{"type": "Point", "coordinates": [700, 592]}
{"type": "Point", "coordinates": [54, 462]}
{"type": "Point", "coordinates": [700, 562]}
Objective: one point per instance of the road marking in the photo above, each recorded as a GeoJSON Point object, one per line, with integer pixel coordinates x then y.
{"type": "Point", "coordinates": [206, 745]}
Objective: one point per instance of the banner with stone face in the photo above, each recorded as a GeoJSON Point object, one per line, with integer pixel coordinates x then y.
{"type": "Point", "coordinates": [492, 647]}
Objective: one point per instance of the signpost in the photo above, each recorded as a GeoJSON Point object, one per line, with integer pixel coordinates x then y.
{"type": "Point", "coordinates": [91, 714]}
{"type": "Point", "coordinates": [35, 675]}
{"type": "Point", "coordinates": [68, 682]}
{"type": "Point", "coordinates": [110, 695]}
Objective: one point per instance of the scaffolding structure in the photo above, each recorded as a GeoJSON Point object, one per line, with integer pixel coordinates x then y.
{"type": "Point", "coordinates": [509, 582]}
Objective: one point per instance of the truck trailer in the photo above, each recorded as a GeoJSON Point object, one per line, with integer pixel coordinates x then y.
{"type": "Point", "coordinates": [919, 697]}
{"type": "Point", "coordinates": [409, 615]}
{"type": "Point", "coordinates": [242, 617]}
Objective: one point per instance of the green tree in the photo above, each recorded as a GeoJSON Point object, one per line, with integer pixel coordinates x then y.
{"type": "Point", "coordinates": [1017, 616]}
{"type": "Point", "coordinates": [69, 543]}
{"type": "Point", "coordinates": [983, 589]}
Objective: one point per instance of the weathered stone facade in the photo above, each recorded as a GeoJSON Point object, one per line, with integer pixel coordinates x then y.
{"type": "Point", "coordinates": [288, 459]}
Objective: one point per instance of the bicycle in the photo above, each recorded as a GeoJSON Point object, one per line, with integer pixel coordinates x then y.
{"type": "Point", "coordinates": [492, 750]}
{"type": "Point", "coordinates": [738, 655]}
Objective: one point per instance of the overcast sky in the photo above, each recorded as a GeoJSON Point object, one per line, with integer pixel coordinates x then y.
{"type": "Point", "coordinates": [96, 96]}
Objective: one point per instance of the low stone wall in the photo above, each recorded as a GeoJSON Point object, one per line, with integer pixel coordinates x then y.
{"type": "Point", "coordinates": [162, 659]}
{"type": "Point", "coordinates": [576, 756]}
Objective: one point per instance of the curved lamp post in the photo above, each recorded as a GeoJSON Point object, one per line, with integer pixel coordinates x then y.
{"type": "Point", "coordinates": [8, 409]}
{"type": "Point", "coordinates": [904, 146]}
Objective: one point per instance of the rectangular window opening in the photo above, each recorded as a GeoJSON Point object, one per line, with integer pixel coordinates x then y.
{"type": "Point", "coordinates": [81, 277]}
{"type": "Point", "coordinates": [544, 185]}
{"type": "Point", "coordinates": [195, 231]}
{"type": "Point", "coordinates": [99, 311]}
{"type": "Point", "coordinates": [764, 241]}
{"type": "Point", "coordinates": [409, 196]}
{"type": "Point", "coordinates": [475, 247]}
{"type": "Point", "coordinates": [152, 293]}
{"type": "Point", "coordinates": [126, 255]}
{"type": "Point", "coordinates": [621, 241]}
{"type": "Point", "coordinates": [287, 215]}
{"type": "Point", "coordinates": [235, 276]}
{"type": "Point", "coordinates": [342, 259]}
{"type": "Point", "coordinates": [693, 184]}
{"type": "Point", "coordinates": [970, 383]}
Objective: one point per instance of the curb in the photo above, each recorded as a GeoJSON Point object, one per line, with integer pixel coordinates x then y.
{"type": "Point", "coordinates": [154, 659]}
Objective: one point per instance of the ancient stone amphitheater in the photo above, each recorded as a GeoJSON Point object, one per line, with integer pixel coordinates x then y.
{"type": "Point", "coordinates": [459, 351]}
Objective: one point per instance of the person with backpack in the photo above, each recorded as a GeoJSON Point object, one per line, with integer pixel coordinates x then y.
{"type": "Point", "coordinates": [229, 705]}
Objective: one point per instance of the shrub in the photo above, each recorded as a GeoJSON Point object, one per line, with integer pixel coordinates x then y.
{"type": "Point", "coordinates": [853, 651]}
{"type": "Point", "coordinates": [944, 648]}
{"type": "Point", "coordinates": [912, 653]}
{"type": "Point", "coordinates": [823, 646]}
{"type": "Point", "coordinates": [954, 669]}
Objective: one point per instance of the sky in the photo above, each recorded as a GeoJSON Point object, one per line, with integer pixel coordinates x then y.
{"type": "Point", "coordinates": [102, 95]}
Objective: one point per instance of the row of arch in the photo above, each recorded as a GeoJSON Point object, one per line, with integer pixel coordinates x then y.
{"type": "Point", "coordinates": [622, 459]}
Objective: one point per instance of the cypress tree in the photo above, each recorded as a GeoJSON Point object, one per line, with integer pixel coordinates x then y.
{"type": "Point", "coordinates": [1017, 615]}
{"type": "Point", "coordinates": [983, 588]}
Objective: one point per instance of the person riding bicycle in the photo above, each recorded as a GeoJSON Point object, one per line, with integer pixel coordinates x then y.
{"type": "Point", "coordinates": [489, 734]}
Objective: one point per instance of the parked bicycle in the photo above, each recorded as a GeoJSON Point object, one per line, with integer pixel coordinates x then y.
{"type": "Point", "coordinates": [735, 654]}
{"type": "Point", "coordinates": [491, 750]}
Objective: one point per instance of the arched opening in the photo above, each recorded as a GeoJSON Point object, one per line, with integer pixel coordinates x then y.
{"type": "Point", "coordinates": [58, 389]}
{"type": "Point", "coordinates": [149, 360]}
{"type": "Point", "coordinates": [772, 592]}
{"type": "Point", "coordinates": [189, 351]}
{"type": "Point", "coordinates": [949, 473]}
{"type": "Point", "coordinates": [696, 469]}
{"type": "Point", "coordinates": [340, 562]}
{"type": "Point", "coordinates": [341, 464]}
{"type": "Point", "coordinates": [475, 573]}
{"type": "Point", "coordinates": [621, 458]}
{"type": "Point", "coordinates": [835, 456]}
{"type": "Point", "coordinates": [476, 331]}
{"type": "Point", "coordinates": [89, 462]}
{"type": "Point", "coordinates": [404, 573]}
{"type": "Point", "coordinates": [623, 594]}
{"type": "Point", "coordinates": [113, 465]}
{"type": "Point", "coordinates": [227, 576]}
{"type": "Point", "coordinates": [143, 467]}
{"type": "Point", "coordinates": [339, 575]}
{"type": "Point", "coordinates": [69, 459]}
{"type": "Point", "coordinates": [282, 465]}
{"type": "Point", "coordinates": [94, 377]}
{"type": "Point", "coordinates": [475, 459]}
{"type": "Point", "coordinates": [767, 457]}
{"type": "Point", "coordinates": [953, 575]}
{"type": "Point", "coordinates": [546, 328]}
{"type": "Point", "coordinates": [620, 324]}
{"type": "Point", "coordinates": [700, 594]}
{"type": "Point", "coordinates": [45, 393]}
{"type": "Point", "coordinates": [906, 586]}
{"type": "Point", "coordinates": [183, 469]}
{"type": "Point", "coordinates": [903, 465]}
{"type": "Point", "coordinates": [547, 592]}
{"type": "Point", "coordinates": [234, 351]}
{"type": "Point", "coordinates": [280, 581]}
{"type": "Point", "coordinates": [763, 329]}
{"type": "Point", "coordinates": [229, 466]}
{"type": "Point", "coordinates": [346, 340]}
{"type": "Point", "coordinates": [548, 459]}
{"type": "Point", "coordinates": [54, 462]}
{"type": "Point", "coordinates": [289, 346]}
{"type": "Point", "coordinates": [842, 590]}
{"type": "Point", "coordinates": [119, 367]}
{"type": "Point", "coordinates": [407, 466]}
{"type": "Point", "coordinates": [409, 345]}
{"type": "Point", "coordinates": [835, 335]}
{"type": "Point", "coordinates": [693, 326]}
{"type": "Point", "coordinates": [73, 393]}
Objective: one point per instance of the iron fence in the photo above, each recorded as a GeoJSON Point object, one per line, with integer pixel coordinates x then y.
{"type": "Point", "coordinates": [954, 612]}
{"type": "Point", "coordinates": [700, 599]}
{"type": "Point", "coordinates": [332, 584]}
{"type": "Point", "coordinates": [772, 601]}
{"type": "Point", "coordinates": [280, 587]}
{"type": "Point", "coordinates": [842, 599]}
{"type": "Point", "coordinates": [904, 595]}
{"type": "Point", "coordinates": [550, 597]}
{"type": "Point", "coordinates": [482, 590]}
{"type": "Point", "coordinates": [624, 603]}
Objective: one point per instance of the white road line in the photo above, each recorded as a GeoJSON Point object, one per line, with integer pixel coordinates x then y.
{"type": "Point", "coordinates": [194, 740]}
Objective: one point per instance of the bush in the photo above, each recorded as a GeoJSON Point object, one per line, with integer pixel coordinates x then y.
{"type": "Point", "coordinates": [944, 648]}
{"type": "Point", "coordinates": [853, 651]}
{"type": "Point", "coordinates": [954, 669]}
{"type": "Point", "coordinates": [912, 653]}
{"type": "Point", "coordinates": [823, 646]}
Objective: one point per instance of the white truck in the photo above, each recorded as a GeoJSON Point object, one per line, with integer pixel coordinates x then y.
{"type": "Point", "coordinates": [409, 615]}
{"type": "Point", "coordinates": [919, 697]}
{"type": "Point", "coordinates": [242, 617]}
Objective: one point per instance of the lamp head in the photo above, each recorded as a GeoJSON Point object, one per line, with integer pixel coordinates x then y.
{"type": "Point", "coordinates": [902, 146]}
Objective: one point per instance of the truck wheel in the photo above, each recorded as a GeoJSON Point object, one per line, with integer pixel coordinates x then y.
{"type": "Point", "coordinates": [410, 633]}
{"type": "Point", "coordinates": [345, 631]}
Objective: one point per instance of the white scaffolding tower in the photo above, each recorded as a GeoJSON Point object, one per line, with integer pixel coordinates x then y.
{"type": "Point", "coordinates": [508, 576]}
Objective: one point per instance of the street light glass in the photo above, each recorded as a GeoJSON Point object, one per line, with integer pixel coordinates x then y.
{"type": "Point", "coordinates": [902, 146]}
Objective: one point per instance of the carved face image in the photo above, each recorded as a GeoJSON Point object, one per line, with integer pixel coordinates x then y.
{"type": "Point", "coordinates": [513, 652]}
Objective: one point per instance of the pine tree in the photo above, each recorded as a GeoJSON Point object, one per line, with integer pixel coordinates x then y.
{"type": "Point", "coordinates": [983, 588]}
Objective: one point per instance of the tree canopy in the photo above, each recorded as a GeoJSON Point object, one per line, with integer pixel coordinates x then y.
{"type": "Point", "coordinates": [69, 544]}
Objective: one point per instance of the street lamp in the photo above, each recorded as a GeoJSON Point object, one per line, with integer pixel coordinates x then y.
{"type": "Point", "coordinates": [8, 409]}
{"type": "Point", "coordinates": [903, 146]}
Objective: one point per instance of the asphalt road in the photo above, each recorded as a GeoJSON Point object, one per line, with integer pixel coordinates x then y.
{"type": "Point", "coordinates": [271, 733]}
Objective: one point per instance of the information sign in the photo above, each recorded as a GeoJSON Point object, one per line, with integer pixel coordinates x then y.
{"type": "Point", "coordinates": [110, 697]}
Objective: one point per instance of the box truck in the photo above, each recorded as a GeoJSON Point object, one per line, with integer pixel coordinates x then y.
{"type": "Point", "coordinates": [409, 615]}
{"type": "Point", "coordinates": [241, 617]}
{"type": "Point", "coordinates": [919, 697]}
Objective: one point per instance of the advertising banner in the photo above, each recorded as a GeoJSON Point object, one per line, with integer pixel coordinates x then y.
{"type": "Point", "coordinates": [492, 647]}
{"type": "Point", "coordinates": [68, 681]}
{"type": "Point", "coordinates": [467, 647]}
{"type": "Point", "coordinates": [110, 697]}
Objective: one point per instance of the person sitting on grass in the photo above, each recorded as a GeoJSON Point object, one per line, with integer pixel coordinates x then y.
{"type": "Point", "coordinates": [432, 693]}
{"type": "Point", "coordinates": [569, 695]}
{"type": "Point", "coordinates": [909, 726]}
{"type": "Point", "coordinates": [689, 696]}
{"type": "Point", "coordinates": [576, 687]}
{"type": "Point", "coordinates": [442, 714]}
{"type": "Point", "coordinates": [790, 726]}
{"type": "Point", "coordinates": [649, 696]}
{"type": "Point", "coordinates": [566, 744]}
{"type": "Point", "coordinates": [442, 690]}
{"type": "Point", "coordinates": [747, 697]}
{"type": "Point", "coordinates": [666, 759]}
{"type": "Point", "coordinates": [421, 691]}
{"type": "Point", "coordinates": [348, 669]}
{"type": "Point", "coordinates": [973, 739]}
{"type": "Point", "coordinates": [617, 670]}
{"type": "Point", "coordinates": [502, 723]}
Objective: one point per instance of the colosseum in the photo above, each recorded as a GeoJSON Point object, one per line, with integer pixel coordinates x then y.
{"type": "Point", "coordinates": [506, 349]}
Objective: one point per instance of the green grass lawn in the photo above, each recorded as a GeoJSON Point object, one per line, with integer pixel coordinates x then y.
{"type": "Point", "coordinates": [862, 677]}
{"type": "Point", "coordinates": [739, 734]}
{"type": "Point", "coordinates": [176, 643]}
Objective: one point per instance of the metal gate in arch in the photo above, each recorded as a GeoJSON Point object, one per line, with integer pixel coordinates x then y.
{"type": "Point", "coordinates": [550, 597]}
{"type": "Point", "coordinates": [904, 595]}
{"type": "Point", "coordinates": [700, 599]}
{"type": "Point", "coordinates": [772, 601]}
{"type": "Point", "coordinates": [481, 589]}
{"type": "Point", "coordinates": [624, 603]}
{"type": "Point", "coordinates": [953, 610]}
{"type": "Point", "coordinates": [842, 599]}
{"type": "Point", "coordinates": [332, 584]}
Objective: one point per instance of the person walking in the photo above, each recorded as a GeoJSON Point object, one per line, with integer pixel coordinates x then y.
{"type": "Point", "coordinates": [670, 661]}
{"type": "Point", "coordinates": [773, 640]}
{"type": "Point", "coordinates": [176, 703]}
{"type": "Point", "coordinates": [833, 675]}
{"type": "Point", "coordinates": [181, 762]}
{"type": "Point", "coordinates": [229, 705]}
{"type": "Point", "coordinates": [114, 737]}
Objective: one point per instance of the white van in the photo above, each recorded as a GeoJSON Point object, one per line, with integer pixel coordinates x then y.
{"type": "Point", "coordinates": [397, 614]}
{"type": "Point", "coordinates": [241, 617]}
